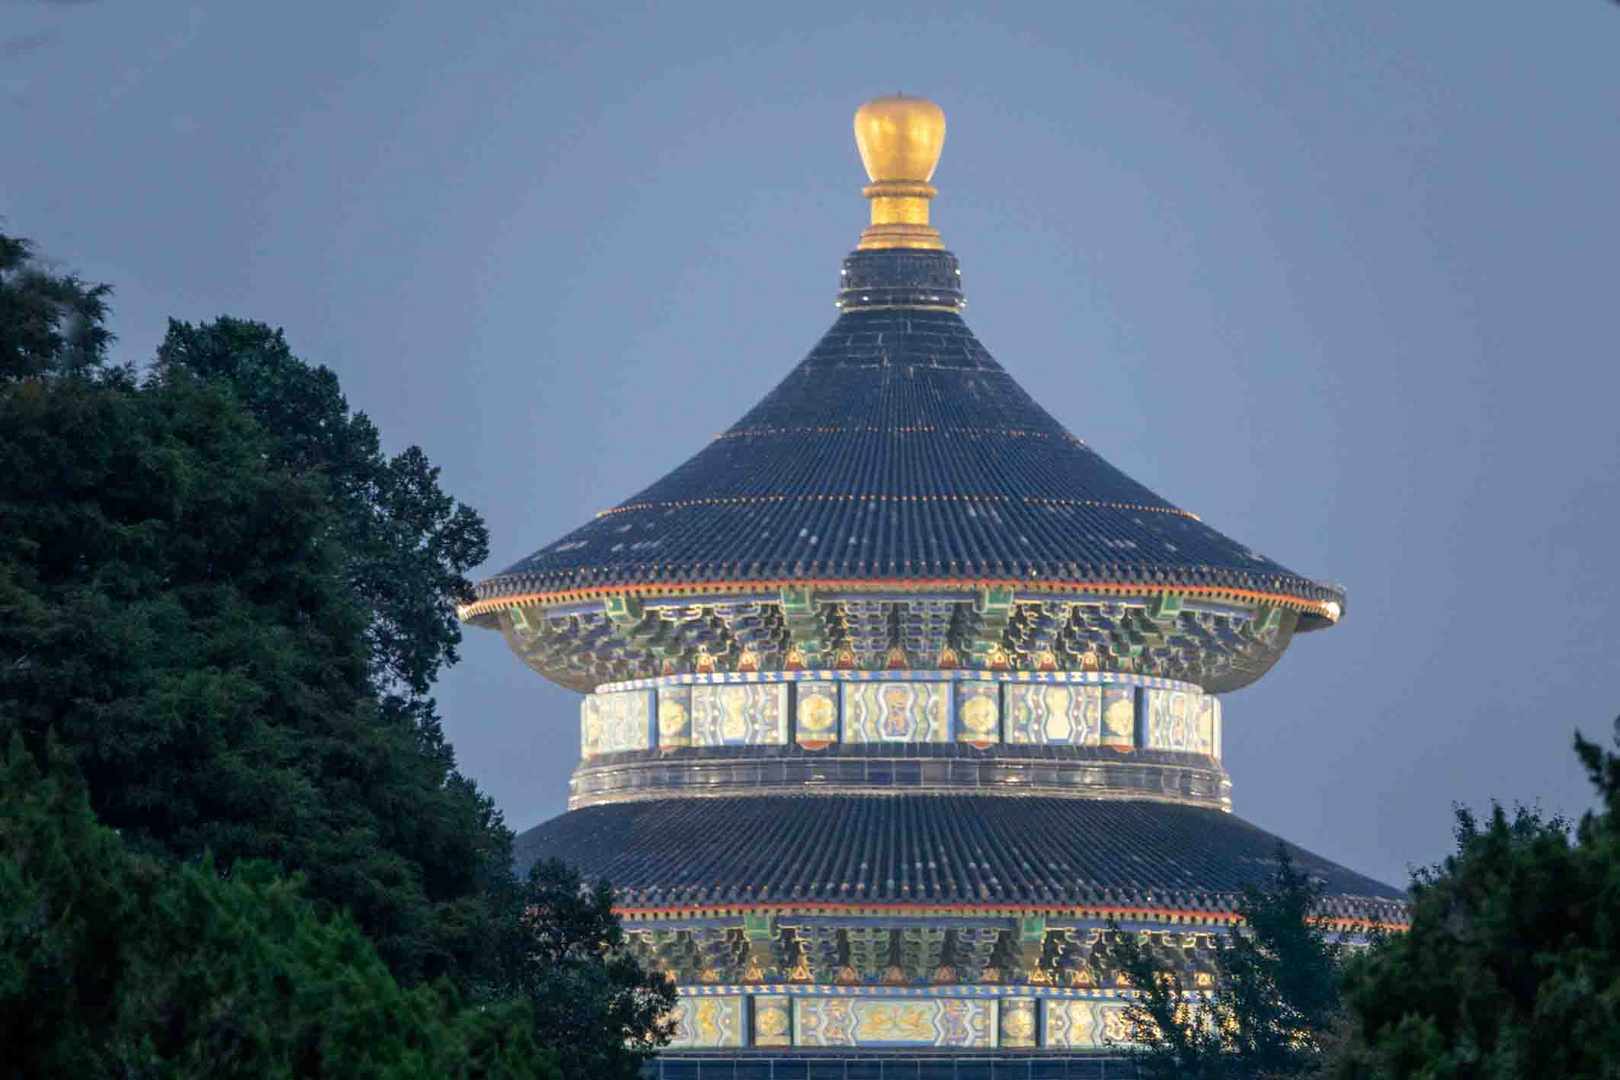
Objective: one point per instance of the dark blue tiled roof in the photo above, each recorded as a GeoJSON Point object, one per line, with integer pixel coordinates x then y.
{"type": "Point", "coordinates": [947, 849]}
{"type": "Point", "coordinates": [898, 448]}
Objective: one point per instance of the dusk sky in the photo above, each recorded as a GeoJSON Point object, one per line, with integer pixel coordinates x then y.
{"type": "Point", "coordinates": [1339, 278]}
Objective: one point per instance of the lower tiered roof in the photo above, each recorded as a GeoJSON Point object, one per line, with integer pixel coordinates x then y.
{"type": "Point", "coordinates": [945, 850]}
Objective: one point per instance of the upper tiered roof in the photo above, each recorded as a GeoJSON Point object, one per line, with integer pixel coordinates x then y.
{"type": "Point", "coordinates": [900, 451]}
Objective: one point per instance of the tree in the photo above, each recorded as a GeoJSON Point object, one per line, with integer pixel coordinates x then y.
{"type": "Point", "coordinates": [1511, 966]}
{"type": "Point", "coordinates": [226, 608]}
{"type": "Point", "coordinates": [407, 545]}
{"type": "Point", "coordinates": [48, 322]}
{"type": "Point", "coordinates": [114, 964]}
{"type": "Point", "coordinates": [233, 634]}
{"type": "Point", "coordinates": [405, 549]}
{"type": "Point", "coordinates": [177, 614]}
{"type": "Point", "coordinates": [592, 1000]}
{"type": "Point", "coordinates": [1274, 1008]}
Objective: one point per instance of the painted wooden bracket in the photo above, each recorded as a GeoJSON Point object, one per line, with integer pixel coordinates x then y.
{"type": "Point", "coordinates": [640, 627]}
{"type": "Point", "coordinates": [1164, 608]}
{"type": "Point", "coordinates": [758, 932]}
{"type": "Point", "coordinates": [1031, 942]}
{"type": "Point", "coordinates": [993, 607]}
{"type": "Point", "coordinates": [804, 626]}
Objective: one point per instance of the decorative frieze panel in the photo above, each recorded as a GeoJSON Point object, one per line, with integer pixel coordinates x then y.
{"type": "Point", "coordinates": [612, 723]}
{"type": "Point", "coordinates": [885, 1022]}
{"type": "Point", "coordinates": [1176, 720]}
{"type": "Point", "coordinates": [1080, 1024]}
{"type": "Point", "coordinates": [773, 1021]}
{"type": "Point", "coordinates": [816, 714]}
{"type": "Point", "coordinates": [1054, 713]}
{"type": "Point", "coordinates": [896, 712]}
{"type": "Point", "coordinates": [747, 714]}
{"type": "Point", "coordinates": [708, 1022]}
{"type": "Point", "coordinates": [1209, 723]}
{"type": "Point", "coordinates": [1019, 1027]}
{"type": "Point", "coordinates": [777, 1016]}
{"type": "Point", "coordinates": [1118, 717]}
{"type": "Point", "coordinates": [674, 716]}
{"type": "Point", "coordinates": [978, 712]}
{"type": "Point", "coordinates": [731, 1017]}
{"type": "Point", "coordinates": [847, 991]}
{"type": "Point", "coordinates": [823, 708]}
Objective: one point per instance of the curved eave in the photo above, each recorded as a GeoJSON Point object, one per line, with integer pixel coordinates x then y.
{"type": "Point", "coordinates": [1224, 914]}
{"type": "Point", "coordinates": [1314, 613]}
{"type": "Point", "coordinates": [937, 853]}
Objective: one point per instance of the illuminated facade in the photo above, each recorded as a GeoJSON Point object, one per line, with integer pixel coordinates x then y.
{"type": "Point", "coordinates": [896, 693]}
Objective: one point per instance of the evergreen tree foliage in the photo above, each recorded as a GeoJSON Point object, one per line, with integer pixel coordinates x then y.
{"type": "Point", "coordinates": [1511, 967]}
{"type": "Point", "coordinates": [177, 613]}
{"type": "Point", "coordinates": [231, 617]}
{"type": "Point", "coordinates": [116, 964]}
{"type": "Point", "coordinates": [592, 1001]}
{"type": "Point", "coordinates": [48, 322]}
{"type": "Point", "coordinates": [225, 607]}
{"type": "Point", "coordinates": [1275, 1007]}
{"type": "Point", "coordinates": [407, 545]}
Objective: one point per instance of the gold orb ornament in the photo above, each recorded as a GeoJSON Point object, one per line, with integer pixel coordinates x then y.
{"type": "Point", "coordinates": [900, 139]}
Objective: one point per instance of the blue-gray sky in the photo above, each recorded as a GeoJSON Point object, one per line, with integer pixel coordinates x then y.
{"type": "Point", "coordinates": [1340, 278]}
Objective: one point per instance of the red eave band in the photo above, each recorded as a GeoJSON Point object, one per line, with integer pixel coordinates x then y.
{"type": "Point", "coordinates": [1044, 585]}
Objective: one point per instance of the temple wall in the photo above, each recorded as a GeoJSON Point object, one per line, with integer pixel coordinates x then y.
{"type": "Point", "coordinates": [613, 723]}
{"type": "Point", "coordinates": [981, 708]}
{"type": "Point", "coordinates": [872, 1018]}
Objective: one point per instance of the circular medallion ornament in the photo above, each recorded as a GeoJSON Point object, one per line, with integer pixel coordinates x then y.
{"type": "Point", "coordinates": [979, 715]}
{"type": "Point", "coordinates": [817, 714]}
{"type": "Point", "coordinates": [770, 1020]}
{"type": "Point", "coordinates": [1017, 1020]}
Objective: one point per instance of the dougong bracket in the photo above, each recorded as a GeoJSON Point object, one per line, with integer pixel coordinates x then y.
{"type": "Point", "coordinates": [801, 614]}
{"type": "Point", "coordinates": [993, 608]}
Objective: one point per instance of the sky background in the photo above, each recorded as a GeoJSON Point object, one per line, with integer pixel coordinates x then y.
{"type": "Point", "coordinates": [1340, 278]}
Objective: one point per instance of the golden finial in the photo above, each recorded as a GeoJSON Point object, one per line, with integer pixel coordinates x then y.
{"type": "Point", "coordinates": [900, 139]}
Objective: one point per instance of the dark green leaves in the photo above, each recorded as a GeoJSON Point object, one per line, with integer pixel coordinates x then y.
{"type": "Point", "coordinates": [591, 1000]}
{"type": "Point", "coordinates": [222, 609]}
{"type": "Point", "coordinates": [1510, 967]}
{"type": "Point", "coordinates": [1512, 963]}
{"type": "Point", "coordinates": [113, 964]}
{"type": "Point", "coordinates": [1275, 1005]}
{"type": "Point", "coordinates": [407, 545]}
{"type": "Point", "coordinates": [49, 323]}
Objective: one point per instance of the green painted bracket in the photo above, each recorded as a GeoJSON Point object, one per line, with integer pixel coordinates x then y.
{"type": "Point", "coordinates": [1165, 607]}
{"type": "Point", "coordinates": [1031, 941]}
{"type": "Point", "coordinates": [629, 616]}
{"type": "Point", "coordinates": [994, 607]}
{"type": "Point", "coordinates": [623, 611]}
{"type": "Point", "coordinates": [1267, 617]}
{"type": "Point", "coordinates": [803, 619]}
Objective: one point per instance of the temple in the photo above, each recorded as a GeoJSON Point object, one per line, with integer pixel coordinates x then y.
{"type": "Point", "coordinates": [898, 699]}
